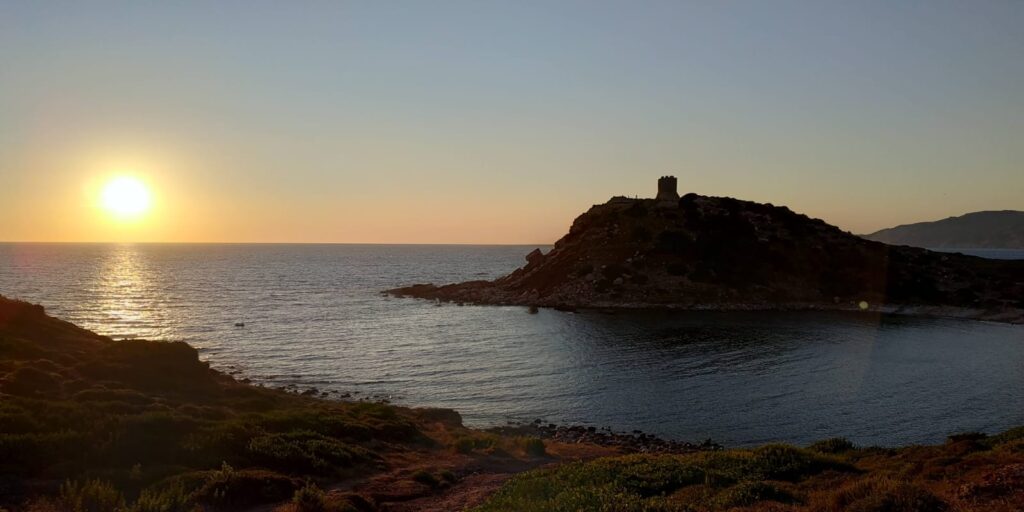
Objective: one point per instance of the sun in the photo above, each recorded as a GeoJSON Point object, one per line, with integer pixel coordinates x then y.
{"type": "Point", "coordinates": [126, 197]}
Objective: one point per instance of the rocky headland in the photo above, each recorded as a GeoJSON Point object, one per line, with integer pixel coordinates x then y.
{"type": "Point", "coordinates": [700, 252]}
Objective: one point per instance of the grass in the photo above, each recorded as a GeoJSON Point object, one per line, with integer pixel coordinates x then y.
{"type": "Point", "coordinates": [969, 473]}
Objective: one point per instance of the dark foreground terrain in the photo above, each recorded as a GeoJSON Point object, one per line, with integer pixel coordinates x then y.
{"type": "Point", "coordinates": [722, 253]}
{"type": "Point", "coordinates": [88, 424]}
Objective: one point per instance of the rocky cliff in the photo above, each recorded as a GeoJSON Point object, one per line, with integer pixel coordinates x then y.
{"type": "Point", "coordinates": [722, 253]}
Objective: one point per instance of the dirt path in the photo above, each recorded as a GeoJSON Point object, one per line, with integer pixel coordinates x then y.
{"type": "Point", "coordinates": [467, 493]}
{"type": "Point", "coordinates": [475, 477]}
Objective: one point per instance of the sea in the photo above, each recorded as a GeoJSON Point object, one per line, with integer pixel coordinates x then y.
{"type": "Point", "coordinates": [314, 317]}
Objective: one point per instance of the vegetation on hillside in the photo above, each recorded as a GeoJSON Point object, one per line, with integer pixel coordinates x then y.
{"type": "Point", "coordinates": [969, 473]}
{"type": "Point", "coordinates": [91, 424]}
{"type": "Point", "coordinates": [88, 424]}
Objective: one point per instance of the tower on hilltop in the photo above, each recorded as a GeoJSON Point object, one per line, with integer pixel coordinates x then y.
{"type": "Point", "coordinates": [667, 189]}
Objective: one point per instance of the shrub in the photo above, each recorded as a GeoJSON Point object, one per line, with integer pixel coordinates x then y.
{"type": "Point", "coordinates": [1011, 435]}
{"type": "Point", "coordinates": [90, 496]}
{"type": "Point", "coordinates": [310, 498]}
{"type": "Point", "coordinates": [153, 436]}
{"type": "Point", "coordinates": [749, 493]}
{"type": "Point", "coordinates": [469, 443]}
{"type": "Point", "coordinates": [625, 483]}
{"type": "Point", "coordinates": [303, 452]}
{"type": "Point", "coordinates": [832, 445]}
{"type": "Point", "coordinates": [234, 489]}
{"type": "Point", "coordinates": [112, 395]}
{"type": "Point", "coordinates": [531, 446]}
{"type": "Point", "coordinates": [426, 478]}
{"type": "Point", "coordinates": [172, 498]}
{"type": "Point", "coordinates": [36, 451]}
{"type": "Point", "coordinates": [782, 462]}
{"type": "Point", "coordinates": [966, 436]}
{"type": "Point", "coordinates": [884, 495]}
{"type": "Point", "coordinates": [447, 476]}
{"type": "Point", "coordinates": [28, 381]}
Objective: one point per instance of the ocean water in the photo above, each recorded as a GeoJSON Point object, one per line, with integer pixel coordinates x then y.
{"type": "Point", "coordinates": [314, 317]}
{"type": "Point", "coordinates": [993, 254]}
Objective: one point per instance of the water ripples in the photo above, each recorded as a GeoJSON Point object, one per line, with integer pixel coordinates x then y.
{"type": "Point", "coordinates": [314, 317]}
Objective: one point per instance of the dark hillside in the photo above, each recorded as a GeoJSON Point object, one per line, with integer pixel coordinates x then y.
{"type": "Point", "coordinates": [978, 230]}
{"type": "Point", "coordinates": [724, 253]}
{"type": "Point", "coordinates": [88, 424]}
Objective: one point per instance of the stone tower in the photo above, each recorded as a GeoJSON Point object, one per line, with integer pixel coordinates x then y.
{"type": "Point", "coordinates": [667, 189]}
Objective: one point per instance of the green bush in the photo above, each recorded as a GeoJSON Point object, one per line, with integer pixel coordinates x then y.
{"type": "Point", "coordinates": [885, 495]}
{"type": "Point", "coordinates": [633, 482]}
{"type": "Point", "coordinates": [234, 489]}
{"type": "Point", "coordinates": [748, 493]}
{"type": "Point", "coordinates": [532, 446]}
{"type": "Point", "coordinates": [833, 445]}
{"type": "Point", "coordinates": [472, 442]}
{"type": "Point", "coordinates": [303, 452]}
{"type": "Point", "coordinates": [426, 478]}
{"type": "Point", "coordinates": [1011, 435]}
{"type": "Point", "coordinates": [783, 462]}
{"type": "Point", "coordinates": [90, 496]}
{"type": "Point", "coordinates": [310, 498]}
{"type": "Point", "coordinates": [172, 498]}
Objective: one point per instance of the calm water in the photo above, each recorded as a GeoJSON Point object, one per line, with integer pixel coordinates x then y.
{"type": "Point", "coordinates": [314, 317]}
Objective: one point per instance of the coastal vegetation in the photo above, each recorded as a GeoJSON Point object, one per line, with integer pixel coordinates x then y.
{"type": "Point", "coordinates": [971, 472]}
{"type": "Point", "coordinates": [90, 424]}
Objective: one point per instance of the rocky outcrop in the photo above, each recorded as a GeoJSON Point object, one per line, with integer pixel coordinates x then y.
{"type": "Point", "coordinates": [723, 253]}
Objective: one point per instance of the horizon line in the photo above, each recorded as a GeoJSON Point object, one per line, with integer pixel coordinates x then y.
{"type": "Point", "coordinates": [36, 242]}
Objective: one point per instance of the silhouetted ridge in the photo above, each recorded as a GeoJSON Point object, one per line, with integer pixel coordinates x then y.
{"type": "Point", "coordinates": [724, 253]}
{"type": "Point", "coordinates": [978, 230]}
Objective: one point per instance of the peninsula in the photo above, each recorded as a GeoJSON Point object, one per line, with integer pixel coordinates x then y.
{"type": "Point", "coordinates": [700, 252]}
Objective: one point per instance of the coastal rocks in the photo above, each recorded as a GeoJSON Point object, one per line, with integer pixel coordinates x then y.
{"type": "Point", "coordinates": [534, 257]}
{"type": "Point", "coordinates": [447, 417]}
{"type": "Point", "coordinates": [635, 442]}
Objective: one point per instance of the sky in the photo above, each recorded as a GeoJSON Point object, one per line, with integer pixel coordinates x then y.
{"type": "Point", "coordinates": [498, 122]}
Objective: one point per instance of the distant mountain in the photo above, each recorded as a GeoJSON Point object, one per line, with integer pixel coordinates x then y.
{"type": "Point", "coordinates": [702, 252]}
{"type": "Point", "coordinates": [979, 230]}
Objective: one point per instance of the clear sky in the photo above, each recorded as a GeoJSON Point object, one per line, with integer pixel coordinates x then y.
{"type": "Point", "coordinates": [498, 122]}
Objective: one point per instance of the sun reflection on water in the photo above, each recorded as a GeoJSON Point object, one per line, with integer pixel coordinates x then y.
{"type": "Point", "coordinates": [127, 294]}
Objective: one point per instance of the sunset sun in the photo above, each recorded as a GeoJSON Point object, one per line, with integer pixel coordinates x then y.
{"type": "Point", "coordinates": [125, 197]}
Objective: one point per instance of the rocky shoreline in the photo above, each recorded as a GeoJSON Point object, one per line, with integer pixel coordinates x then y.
{"type": "Point", "coordinates": [483, 296]}
{"type": "Point", "coordinates": [634, 442]}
